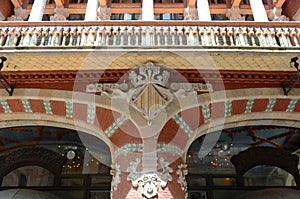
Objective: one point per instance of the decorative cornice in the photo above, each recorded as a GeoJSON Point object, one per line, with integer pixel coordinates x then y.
{"type": "Point", "coordinates": [231, 78]}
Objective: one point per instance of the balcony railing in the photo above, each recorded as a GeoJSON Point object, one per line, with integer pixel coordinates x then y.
{"type": "Point", "coordinates": [149, 34]}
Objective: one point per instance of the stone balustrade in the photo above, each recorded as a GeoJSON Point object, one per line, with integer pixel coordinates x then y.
{"type": "Point", "coordinates": [154, 34]}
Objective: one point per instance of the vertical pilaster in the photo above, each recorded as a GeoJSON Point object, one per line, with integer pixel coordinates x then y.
{"type": "Point", "coordinates": [147, 10]}
{"type": "Point", "coordinates": [203, 10]}
{"type": "Point", "coordinates": [37, 10]}
{"type": "Point", "coordinates": [91, 10]}
{"type": "Point", "coordinates": [258, 11]}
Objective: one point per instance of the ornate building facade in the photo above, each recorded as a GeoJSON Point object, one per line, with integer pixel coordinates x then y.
{"type": "Point", "coordinates": [149, 99]}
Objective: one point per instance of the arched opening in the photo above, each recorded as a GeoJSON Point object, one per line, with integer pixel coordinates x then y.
{"type": "Point", "coordinates": [212, 175]}
{"type": "Point", "coordinates": [63, 162]}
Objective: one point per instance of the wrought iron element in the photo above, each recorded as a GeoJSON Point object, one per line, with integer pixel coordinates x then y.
{"type": "Point", "coordinates": [3, 81]}
{"type": "Point", "coordinates": [287, 87]}
{"type": "Point", "coordinates": [149, 181]}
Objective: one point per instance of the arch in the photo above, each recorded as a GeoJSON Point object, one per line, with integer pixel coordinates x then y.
{"type": "Point", "coordinates": [49, 160]}
{"type": "Point", "coordinates": [265, 156]}
{"type": "Point", "coordinates": [38, 119]}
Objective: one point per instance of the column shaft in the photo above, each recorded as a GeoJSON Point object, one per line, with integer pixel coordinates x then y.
{"type": "Point", "coordinates": [91, 10]}
{"type": "Point", "coordinates": [148, 10]}
{"type": "Point", "coordinates": [258, 11]}
{"type": "Point", "coordinates": [203, 10]}
{"type": "Point", "coordinates": [37, 10]}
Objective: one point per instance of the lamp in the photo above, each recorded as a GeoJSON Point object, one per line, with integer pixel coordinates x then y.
{"type": "Point", "coordinates": [3, 81]}
{"type": "Point", "coordinates": [287, 87]}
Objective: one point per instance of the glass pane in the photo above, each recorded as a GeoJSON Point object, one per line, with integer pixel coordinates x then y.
{"type": "Point", "coordinates": [224, 181]}
{"type": "Point", "coordinates": [29, 176]}
{"type": "Point", "coordinates": [192, 182]}
{"type": "Point", "coordinates": [266, 176]}
{"type": "Point", "coordinates": [74, 194]}
{"type": "Point", "coordinates": [71, 182]}
{"type": "Point", "coordinates": [101, 181]}
{"type": "Point", "coordinates": [228, 194]}
{"type": "Point", "coordinates": [99, 195]}
{"type": "Point", "coordinates": [198, 195]}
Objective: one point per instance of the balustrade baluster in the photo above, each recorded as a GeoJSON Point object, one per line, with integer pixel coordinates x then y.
{"type": "Point", "coordinates": [130, 33]}
{"type": "Point", "coordinates": [201, 34]}
{"type": "Point", "coordinates": [230, 35]}
{"type": "Point", "coordinates": [215, 31]}
{"type": "Point", "coordinates": [180, 34]}
{"type": "Point", "coordinates": [286, 35]}
{"type": "Point", "coordinates": [107, 37]}
{"type": "Point", "coordinates": [137, 33]}
{"type": "Point", "coordinates": [165, 34]}
{"type": "Point", "coordinates": [252, 36]}
{"type": "Point", "coordinates": [115, 35]}
{"type": "Point", "coordinates": [223, 34]}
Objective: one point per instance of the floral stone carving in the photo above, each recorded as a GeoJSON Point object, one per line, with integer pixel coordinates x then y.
{"type": "Point", "coordinates": [149, 181]}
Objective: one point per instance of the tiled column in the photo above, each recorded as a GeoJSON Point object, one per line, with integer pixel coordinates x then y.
{"type": "Point", "coordinates": [203, 10]}
{"type": "Point", "coordinates": [258, 10]}
{"type": "Point", "coordinates": [37, 10]}
{"type": "Point", "coordinates": [148, 10]}
{"type": "Point", "coordinates": [91, 10]}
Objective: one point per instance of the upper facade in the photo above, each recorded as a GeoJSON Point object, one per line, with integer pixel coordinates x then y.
{"type": "Point", "coordinates": [148, 10]}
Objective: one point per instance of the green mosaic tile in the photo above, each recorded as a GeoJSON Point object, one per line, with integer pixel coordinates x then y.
{"type": "Point", "coordinates": [5, 106]}
{"type": "Point", "coordinates": [183, 125]}
{"type": "Point", "coordinates": [47, 106]}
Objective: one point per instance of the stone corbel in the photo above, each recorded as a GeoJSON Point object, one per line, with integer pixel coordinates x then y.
{"type": "Point", "coordinates": [149, 181]}
{"type": "Point", "coordinates": [190, 13]}
{"type": "Point", "coordinates": [234, 14]}
{"type": "Point", "coordinates": [61, 14]}
{"type": "Point", "coordinates": [275, 15]}
{"type": "Point", "coordinates": [20, 15]}
{"type": "Point", "coordinates": [103, 13]}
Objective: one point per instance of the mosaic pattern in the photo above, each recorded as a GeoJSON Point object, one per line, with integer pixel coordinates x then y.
{"type": "Point", "coordinates": [271, 104]}
{"type": "Point", "coordinates": [175, 150]}
{"type": "Point", "coordinates": [124, 150]}
{"type": "Point", "coordinates": [91, 113]}
{"type": "Point", "coordinates": [292, 105]}
{"type": "Point", "coordinates": [5, 106]}
{"type": "Point", "coordinates": [26, 106]}
{"type": "Point", "coordinates": [228, 108]}
{"type": "Point", "coordinates": [183, 125]}
{"type": "Point", "coordinates": [47, 106]}
{"type": "Point", "coordinates": [112, 128]}
{"type": "Point", "coordinates": [69, 109]}
{"type": "Point", "coordinates": [206, 113]}
{"type": "Point", "coordinates": [249, 106]}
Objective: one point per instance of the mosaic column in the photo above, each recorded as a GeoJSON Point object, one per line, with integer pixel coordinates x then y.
{"type": "Point", "coordinates": [258, 11]}
{"type": "Point", "coordinates": [148, 10]}
{"type": "Point", "coordinates": [37, 10]}
{"type": "Point", "coordinates": [203, 10]}
{"type": "Point", "coordinates": [91, 10]}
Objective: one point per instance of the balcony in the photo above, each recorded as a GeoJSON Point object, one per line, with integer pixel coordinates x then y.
{"type": "Point", "coordinates": [160, 34]}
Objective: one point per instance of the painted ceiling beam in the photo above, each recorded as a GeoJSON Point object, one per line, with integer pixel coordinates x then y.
{"type": "Point", "coordinates": [17, 3]}
{"type": "Point", "coordinates": [235, 3]}
{"type": "Point", "coordinates": [278, 3]}
{"type": "Point", "coordinates": [102, 3]}
{"type": "Point", "coordinates": [59, 3]}
{"type": "Point", "coordinates": [192, 2]}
